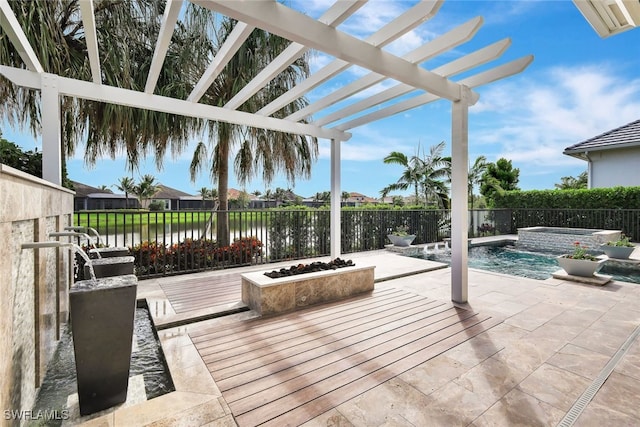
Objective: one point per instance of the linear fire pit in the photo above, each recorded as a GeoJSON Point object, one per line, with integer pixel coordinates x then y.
{"type": "Point", "coordinates": [267, 296]}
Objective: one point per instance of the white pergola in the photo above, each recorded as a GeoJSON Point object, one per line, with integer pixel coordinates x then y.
{"type": "Point", "coordinates": [305, 33]}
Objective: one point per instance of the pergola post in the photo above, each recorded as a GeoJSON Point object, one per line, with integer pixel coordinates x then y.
{"type": "Point", "coordinates": [51, 146]}
{"type": "Point", "coordinates": [459, 196]}
{"type": "Point", "coordinates": [336, 197]}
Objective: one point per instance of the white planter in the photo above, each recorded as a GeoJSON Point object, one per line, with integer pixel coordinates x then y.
{"type": "Point", "coordinates": [617, 252]}
{"type": "Point", "coordinates": [580, 267]}
{"type": "Point", "coordinates": [401, 240]}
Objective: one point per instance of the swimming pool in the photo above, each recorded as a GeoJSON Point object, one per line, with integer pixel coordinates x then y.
{"type": "Point", "coordinates": [534, 265]}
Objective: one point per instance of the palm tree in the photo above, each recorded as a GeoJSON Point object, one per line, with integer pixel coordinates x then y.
{"type": "Point", "coordinates": [127, 31]}
{"type": "Point", "coordinates": [436, 171]}
{"type": "Point", "coordinates": [105, 188]}
{"type": "Point", "coordinates": [410, 176]}
{"type": "Point", "coordinates": [279, 195]}
{"type": "Point", "coordinates": [205, 194]}
{"type": "Point", "coordinates": [345, 196]}
{"type": "Point", "coordinates": [259, 151]}
{"type": "Point", "coordinates": [146, 189]}
{"type": "Point", "coordinates": [126, 185]}
{"type": "Point", "coordinates": [475, 177]}
{"type": "Point", "coordinates": [426, 174]}
{"type": "Point", "coordinates": [573, 183]}
{"type": "Point", "coordinates": [268, 194]}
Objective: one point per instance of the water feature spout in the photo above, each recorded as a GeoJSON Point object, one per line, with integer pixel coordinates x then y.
{"type": "Point", "coordinates": [71, 234]}
{"type": "Point", "coordinates": [73, 247]}
{"type": "Point", "coordinates": [86, 230]}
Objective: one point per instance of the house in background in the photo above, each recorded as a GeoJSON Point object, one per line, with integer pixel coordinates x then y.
{"type": "Point", "coordinates": [612, 157]}
{"type": "Point", "coordinates": [92, 198]}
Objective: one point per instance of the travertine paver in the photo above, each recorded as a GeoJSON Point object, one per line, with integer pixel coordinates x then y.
{"type": "Point", "coordinates": [557, 337]}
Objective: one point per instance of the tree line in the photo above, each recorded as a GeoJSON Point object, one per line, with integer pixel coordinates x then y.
{"type": "Point", "coordinates": [429, 176]}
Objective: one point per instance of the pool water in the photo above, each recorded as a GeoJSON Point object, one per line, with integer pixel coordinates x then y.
{"type": "Point", "coordinates": [147, 359]}
{"type": "Point", "coordinates": [534, 265]}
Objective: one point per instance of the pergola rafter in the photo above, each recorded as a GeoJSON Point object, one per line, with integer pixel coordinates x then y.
{"type": "Point", "coordinates": [295, 26]}
{"type": "Point", "coordinates": [452, 68]}
{"type": "Point", "coordinates": [89, 23]}
{"type": "Point", "coordinates": [435, 47]}
{"type": "Point", "coordinates": [385, 35]}
{"type": "Point", "coordinates": [483, 78]}
{"type": "Point", "coordinates": [169, 19]}
{"type": "Point", "coordinates": [304, 33]}
{"type": "Point", "coordinates": [333, 17]}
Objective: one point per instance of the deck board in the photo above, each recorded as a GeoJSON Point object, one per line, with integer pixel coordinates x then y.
{"type": "Point", "coordinates": [194, 294]}
{"type": "Point", "coordinates": [288, 369]}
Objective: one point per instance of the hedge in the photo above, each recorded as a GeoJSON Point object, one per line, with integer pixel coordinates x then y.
{"type": "Point", "coordinates": [596, 198]}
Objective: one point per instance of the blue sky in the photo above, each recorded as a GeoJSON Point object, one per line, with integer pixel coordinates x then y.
{"type": "Point", "coordinates": [579, 85]}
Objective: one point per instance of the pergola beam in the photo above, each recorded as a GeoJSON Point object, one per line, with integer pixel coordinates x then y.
{"type": "Point", "coordinates": [10, 25]}
{"type": "Point", "coordinates": [146, 101]}
{"type": "Point", "coordinates": [387, 34]}
{"type": "Point", "coordinates": [279, 19]}
{"type": "Point", "coordinates": [169, 19]}
{"type": "Point", "coordinates": [427, 51]}
{"type": "Point", "coordinates": [452, 68]}
{"type": "Point", "coordinates": [89, 24]}
{"type": "Point", "coordinates": [229, 48]}
{"type": "Point", "coordinates": [333, 17]}
{"type": "Point", "coordinates": [485, 77]}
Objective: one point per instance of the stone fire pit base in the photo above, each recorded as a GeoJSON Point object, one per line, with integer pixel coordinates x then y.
{"type": "Point", "coordinates": [265, 295]}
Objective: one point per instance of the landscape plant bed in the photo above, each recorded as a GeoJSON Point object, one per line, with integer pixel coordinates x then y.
{"type": "Point", "coordinates": [266, 295]}
{"type": "Point", "coordinates": [309, 268]}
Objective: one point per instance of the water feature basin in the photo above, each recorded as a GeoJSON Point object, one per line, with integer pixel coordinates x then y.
{"type": "Point", "coordinates": [102, 313]}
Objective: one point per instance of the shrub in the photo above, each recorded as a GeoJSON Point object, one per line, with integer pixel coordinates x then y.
{"type": "Point", "coordinates": [156, 205]}
{"type": "Point", "coordinates": [193, 254]}
{"type": "Point", "coordinates": [150, 258]}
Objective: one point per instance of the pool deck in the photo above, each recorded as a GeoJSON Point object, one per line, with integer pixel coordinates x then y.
{"type": "Point", "coordinates": [551, 340]}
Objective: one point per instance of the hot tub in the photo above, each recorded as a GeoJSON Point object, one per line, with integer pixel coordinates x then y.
{"type": "Point", "coordinates": [562, 240]}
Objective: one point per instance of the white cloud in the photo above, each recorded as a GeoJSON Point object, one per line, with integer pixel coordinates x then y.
{"type": "Point", "coordinates": [366, 145]}
{"type": "Point", "coordinates": [531, 122]}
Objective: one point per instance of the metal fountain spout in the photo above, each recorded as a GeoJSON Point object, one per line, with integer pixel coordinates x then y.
{"type": "Point", "coordinates": [86, 230]}
{"type": "Point", "coordinates": [71, 234]}
{"type": "Point", "coordinates": [73, 247]}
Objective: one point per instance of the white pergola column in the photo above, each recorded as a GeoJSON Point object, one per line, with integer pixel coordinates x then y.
{"type": "Point", "coordinates": [51, 146]}
{"type": "Point", "coordinates": [335, 199]}
{"type": "Point", "coordinates": [459, 197]}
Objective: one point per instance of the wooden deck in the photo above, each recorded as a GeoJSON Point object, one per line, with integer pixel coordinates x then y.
{"type": "Point", "coordinates": [198, 293]}
{"type": "Point", "coordinates": [288, 369]}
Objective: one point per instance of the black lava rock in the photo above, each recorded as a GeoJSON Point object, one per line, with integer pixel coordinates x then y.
{"type": "Point", "coordinates": [309, 268]}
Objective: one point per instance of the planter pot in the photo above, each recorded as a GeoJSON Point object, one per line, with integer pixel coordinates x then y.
{"type": "Point", "coordinates": [617, 252]}
{"type": "Point", "coordinates": [580, 267]}
{"type": "Point", "coordinates": [401, 240]}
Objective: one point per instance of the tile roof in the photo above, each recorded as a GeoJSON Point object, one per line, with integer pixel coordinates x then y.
{"type": "Point", "coordinates": [169, 193]}
{"type": "Point", "coordinates": [83, 190]}
{"type": "Point", "coordinates": [622, 137]}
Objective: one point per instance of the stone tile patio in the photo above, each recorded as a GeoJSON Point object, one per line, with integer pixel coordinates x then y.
{"type": "Point", "coordinates": [529, 370]}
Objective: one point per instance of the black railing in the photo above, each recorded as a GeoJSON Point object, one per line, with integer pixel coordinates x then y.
{"type": "Point", "coordinates": [171, 242]}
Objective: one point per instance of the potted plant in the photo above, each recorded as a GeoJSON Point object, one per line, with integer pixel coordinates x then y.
{"type": "Point", "coordinates": [401, 236]}
{"type": "Point", "coordinates": [580, 263]}
{"type": "Point", "coordinates": [619, 249]}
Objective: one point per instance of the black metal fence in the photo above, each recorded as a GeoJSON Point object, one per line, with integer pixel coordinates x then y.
{"type": "Point", "coordinates": [171, 242]}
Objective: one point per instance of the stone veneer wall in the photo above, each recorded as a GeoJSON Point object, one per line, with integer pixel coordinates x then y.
{"type": "Point", "coordinates": [562, 240]}
{"type": "Point", "coordinates": [34, 283]}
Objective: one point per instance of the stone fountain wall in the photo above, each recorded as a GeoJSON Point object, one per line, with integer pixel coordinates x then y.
{"type": "Point", "coordinates": [34, 283]}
